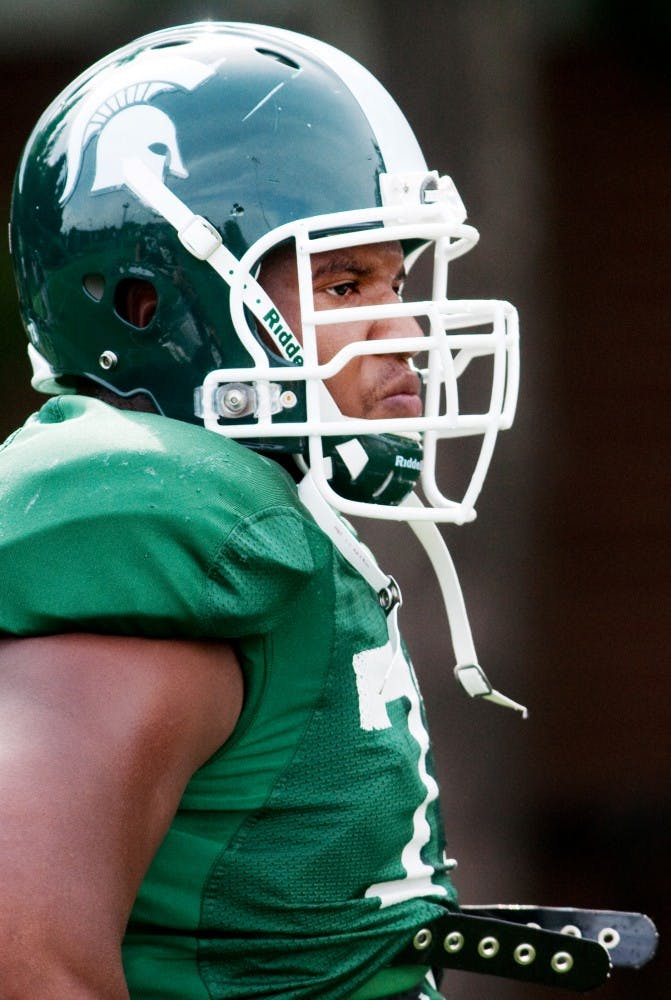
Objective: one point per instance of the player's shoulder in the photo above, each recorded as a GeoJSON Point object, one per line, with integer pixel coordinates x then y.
{"type": "Point", "coordinates": [102, 448]}
{"type": "Point", "coordinates": [174, 523]}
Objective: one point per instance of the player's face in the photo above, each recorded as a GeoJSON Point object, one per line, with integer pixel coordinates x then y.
{"type": "Point", "coordinates": [373, 385]}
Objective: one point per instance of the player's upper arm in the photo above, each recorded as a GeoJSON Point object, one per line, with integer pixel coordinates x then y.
{"type": "Point", "coordinates": [98, 738]}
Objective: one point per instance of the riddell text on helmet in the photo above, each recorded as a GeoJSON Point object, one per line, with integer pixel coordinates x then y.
{"type": "Point", "coordinates": [283, 337]}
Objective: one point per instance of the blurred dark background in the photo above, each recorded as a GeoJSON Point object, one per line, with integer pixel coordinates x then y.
{"type": "Point", "coordinates": [554, 119]}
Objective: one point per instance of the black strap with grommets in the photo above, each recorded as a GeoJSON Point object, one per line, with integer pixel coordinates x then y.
{"type": "Point", "coordinates": [560, 947]}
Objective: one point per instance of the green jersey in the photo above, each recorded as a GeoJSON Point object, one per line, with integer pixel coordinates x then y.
{"type": "Point", "coordinates": [310, 844]}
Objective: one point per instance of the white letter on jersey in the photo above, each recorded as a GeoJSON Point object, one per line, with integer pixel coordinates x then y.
{"type": "Point", "coordinates": [371, 667]}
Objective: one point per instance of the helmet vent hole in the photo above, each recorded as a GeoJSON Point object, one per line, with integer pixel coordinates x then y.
{"type": "Point", "coordinates": [94, 286]}
{"type": "Point", "coordinates": [280, 57]}
{"type": "Point", "coordinates": [135, 301]}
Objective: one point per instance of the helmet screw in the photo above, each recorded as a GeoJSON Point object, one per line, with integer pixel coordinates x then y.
{"type": "Point", "coordinates": [235, 400]}
{"type": "Point", "coordinates": [108, 360]}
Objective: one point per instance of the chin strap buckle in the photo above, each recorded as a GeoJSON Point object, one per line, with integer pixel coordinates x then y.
{"type": "Point", "coordinates": [474, 681]}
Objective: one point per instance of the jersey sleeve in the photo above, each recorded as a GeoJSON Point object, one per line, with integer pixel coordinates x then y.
{"type": "Point", "coordinates": [126, 523]}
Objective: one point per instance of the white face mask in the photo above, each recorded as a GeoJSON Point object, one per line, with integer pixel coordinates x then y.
{"type": "Point", "coordinates": [460, 339]}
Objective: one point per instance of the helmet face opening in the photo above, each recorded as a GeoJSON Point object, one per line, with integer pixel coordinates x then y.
{"type": "Point", "coordinates": [151, 197]}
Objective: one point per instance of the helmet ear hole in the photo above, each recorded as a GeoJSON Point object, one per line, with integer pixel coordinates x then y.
{"type": "Point", "coordinates": [94, 286]}
{"type": "Point", "coordinates": [135, 301]}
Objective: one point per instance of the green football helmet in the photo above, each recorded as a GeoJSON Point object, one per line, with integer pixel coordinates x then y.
{"type": "Point", "coordinates": [181, 161]}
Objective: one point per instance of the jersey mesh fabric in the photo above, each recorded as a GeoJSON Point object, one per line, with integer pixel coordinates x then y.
{"type": "Point", "coordinates": [136, 524]}
{"type": "Point", "coordinates": [337, 815]}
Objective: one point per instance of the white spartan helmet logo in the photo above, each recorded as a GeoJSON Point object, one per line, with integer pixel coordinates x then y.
{"type": "Point", "coordinates": [128, 128]}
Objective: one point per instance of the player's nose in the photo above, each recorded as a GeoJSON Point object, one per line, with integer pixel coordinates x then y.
{"type": "Point", "coordinates": [397, 327]}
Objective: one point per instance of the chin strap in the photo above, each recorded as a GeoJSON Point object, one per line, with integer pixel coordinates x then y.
{"type": "Point", "coordinates": [467, 671]}
{"type": "Point", "coordinates": [203, 241]}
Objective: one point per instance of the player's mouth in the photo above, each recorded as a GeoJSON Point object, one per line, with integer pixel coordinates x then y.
{"type": "Point", "coordinates": [401, 397]}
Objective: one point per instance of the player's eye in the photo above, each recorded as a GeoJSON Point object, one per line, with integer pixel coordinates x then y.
{"type": "Point", "coordinates": [342, 289]}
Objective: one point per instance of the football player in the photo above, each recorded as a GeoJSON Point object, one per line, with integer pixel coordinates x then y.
{"type": "Point", "coordinates": [216, 777]}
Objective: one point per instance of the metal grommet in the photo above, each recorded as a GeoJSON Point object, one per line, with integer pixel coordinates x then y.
{"type": "Point", "coordinates": [389, 596]}
{"type": "Point", "coordinates": [488, 947]}
{"type": "Point", "coordinates": [108, 360]}
{"type": "Point", "coordinates": [571, 930]}
{"type": "Point", "coordinates": [609, 938]}
{"type": "Point", "coordinates": [524, 954]}
{"type": "Point", "coordinates": [422, 939]}
{"type": "Point", "coordinates": [454, 942]}
{"type": "Point", "coordinates": [288, 399]}
{"type": "Point", "coordinates": [562, 962]}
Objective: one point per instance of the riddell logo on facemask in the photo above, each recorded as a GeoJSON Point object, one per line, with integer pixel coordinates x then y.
{"type": "Point", "coordinates": [284, 338]}
{"type": "Point", "coordinates": [408, 463]}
